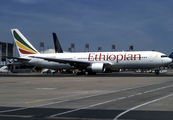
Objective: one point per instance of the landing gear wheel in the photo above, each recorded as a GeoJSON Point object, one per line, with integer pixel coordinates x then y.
{"type": "Point", "coordinates": [81, 73]}
{"type": "Point", "coordinates": [91, 73]}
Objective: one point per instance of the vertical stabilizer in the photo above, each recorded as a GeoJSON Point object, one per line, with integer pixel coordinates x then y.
{"type": "Point", "coordinates": [171, 55]}
{"type": "Point", "coordinates": [24, 47]}
{"type": "Point", "coordinates": [57, 45]}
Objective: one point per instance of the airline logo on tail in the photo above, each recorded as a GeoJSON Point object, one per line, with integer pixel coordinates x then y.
{"type": "Point", "coordinates": [24, 47]}
{"type": "Point", "coordinates": [171, 55]}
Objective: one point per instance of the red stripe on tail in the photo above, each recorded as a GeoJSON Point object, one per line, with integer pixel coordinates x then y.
{"type": "Point", "coordinates": [25, 52]}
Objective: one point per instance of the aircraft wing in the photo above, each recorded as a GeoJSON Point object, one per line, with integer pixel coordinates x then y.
{"type": "Point", "coordinates": [76, 63]}
{"type": "Point", "coordinates": [69, 61]}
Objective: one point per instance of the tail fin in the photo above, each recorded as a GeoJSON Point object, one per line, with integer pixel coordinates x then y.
{"type": "Point", "coordinates": [57, 45]}
{"type": "Point", "coordinates": [171, 55]}
{"type": "Point", "coordinates": [24, 47]}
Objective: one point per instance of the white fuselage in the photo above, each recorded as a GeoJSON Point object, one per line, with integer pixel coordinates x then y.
{"type": "Point", "coordinates": [116, 60]}
{"type": "Point", "coordinates": [46, 64]}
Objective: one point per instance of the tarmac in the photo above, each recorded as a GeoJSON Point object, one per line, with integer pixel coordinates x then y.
{"type": "Point", "coordinates": [105, 96]}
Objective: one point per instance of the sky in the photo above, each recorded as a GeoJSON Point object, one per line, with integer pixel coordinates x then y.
{"type": "Point", "coordinates": [145, 24]}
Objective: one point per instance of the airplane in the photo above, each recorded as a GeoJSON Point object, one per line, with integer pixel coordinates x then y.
{"type": "Point", "coordinates": [171, 55]}
{"type": "Point", "coordinates": [26, 49]}
{"type": "Point", "coordinates": [91, 62]}
{"type": "Point", "coordinates": [58, 48]}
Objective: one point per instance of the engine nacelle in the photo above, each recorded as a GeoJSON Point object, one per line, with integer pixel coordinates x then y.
{"type": "Point", "coordinates": [97, 67]}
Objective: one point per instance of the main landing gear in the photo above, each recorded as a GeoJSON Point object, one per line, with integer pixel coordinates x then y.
{"type": "Point", "coordinates": [86, 73]}
{"type": "Point", "coordinates": [81, 73]}
{"type": "Point", "coordinates": [157, 71]}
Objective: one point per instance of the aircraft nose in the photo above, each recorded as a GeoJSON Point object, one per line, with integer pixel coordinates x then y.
{"type": "Point", "coordinates": [170, 60]}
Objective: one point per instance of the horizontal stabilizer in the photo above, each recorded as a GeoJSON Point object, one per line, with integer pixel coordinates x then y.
{"type": "Point", "coordinates": [18, 58]}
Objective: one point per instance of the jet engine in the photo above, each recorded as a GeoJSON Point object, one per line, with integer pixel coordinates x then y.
{"type": "Point", "coordinates": [97, 67]}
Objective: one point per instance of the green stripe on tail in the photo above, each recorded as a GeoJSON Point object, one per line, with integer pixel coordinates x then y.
{"type": "Point", "coordinates": [18, 38]}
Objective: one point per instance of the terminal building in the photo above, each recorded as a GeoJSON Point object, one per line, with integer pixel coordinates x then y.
{"type": "Point", "coordinates": [6, 49]}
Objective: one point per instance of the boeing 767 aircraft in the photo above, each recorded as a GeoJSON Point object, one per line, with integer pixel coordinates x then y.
{"type": "Point", "coordinates": [91, 62]}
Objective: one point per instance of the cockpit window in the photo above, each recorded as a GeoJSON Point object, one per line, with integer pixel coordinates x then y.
{"type": "Point", "coordinates": [162, 56]}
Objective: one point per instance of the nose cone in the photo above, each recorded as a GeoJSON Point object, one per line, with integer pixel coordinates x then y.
{"type": "Point", "coordinates": [166, 61]}
{"type": "Point", "coordinates": [169, 60]}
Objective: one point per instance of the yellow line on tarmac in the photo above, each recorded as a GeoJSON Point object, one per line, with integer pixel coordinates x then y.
{"type": "Point", "coordinates": [35, 101]}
